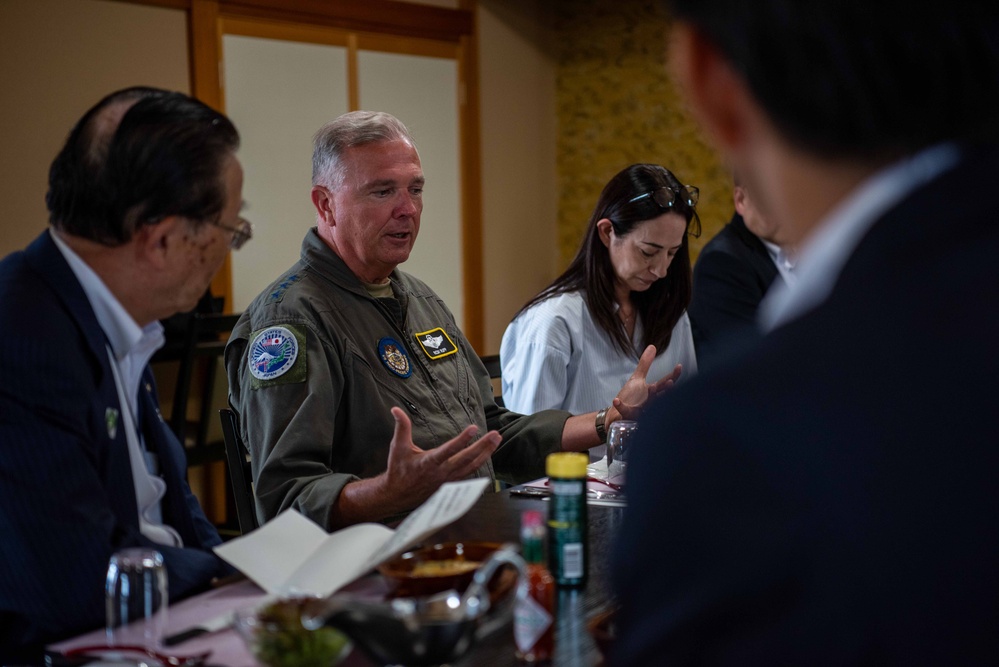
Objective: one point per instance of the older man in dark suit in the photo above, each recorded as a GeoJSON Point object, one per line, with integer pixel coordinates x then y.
{"type": "Point", "coordinates": [829, 497]}
{"type": "Point", "coordinates": [144, 203]}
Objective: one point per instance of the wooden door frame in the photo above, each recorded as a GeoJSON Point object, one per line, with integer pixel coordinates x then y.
{"type": "Point", "coordinates": [373, 17]}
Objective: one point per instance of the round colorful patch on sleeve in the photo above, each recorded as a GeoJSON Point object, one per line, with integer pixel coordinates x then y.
{"type": "Point", "coordinates": [273, 352]}
{"type": "Point", "coordinates": [393, 355]}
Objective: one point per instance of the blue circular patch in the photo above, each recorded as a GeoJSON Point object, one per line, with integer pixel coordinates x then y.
{"type": "Point", "coordinates": [393, 355]}
{"type": "Point", "coordinates": [272, 353]}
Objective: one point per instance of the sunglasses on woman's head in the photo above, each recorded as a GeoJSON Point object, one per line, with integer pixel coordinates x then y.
{"type": "Point", "coordinates": [666, 196]}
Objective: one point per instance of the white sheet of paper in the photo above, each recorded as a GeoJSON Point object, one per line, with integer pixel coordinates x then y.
{"type": "Point", "coordinates": [337, 562]}
{"type": "Point", "coordinates": [292, 555]}
{"type": "Point", "coordinates": [271, 553]}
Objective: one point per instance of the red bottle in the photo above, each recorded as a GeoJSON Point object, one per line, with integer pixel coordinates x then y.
{"type": "Point", "coordinates": [534, 614]}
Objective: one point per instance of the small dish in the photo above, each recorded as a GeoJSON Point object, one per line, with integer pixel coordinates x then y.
{"type": "Point", "coordinates": [436, 568]}
{"type": "Point", "coordinates": [276, 637]}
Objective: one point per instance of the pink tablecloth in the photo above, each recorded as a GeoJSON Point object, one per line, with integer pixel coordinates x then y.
{"type": "Point", "coordinates": [226, 646]}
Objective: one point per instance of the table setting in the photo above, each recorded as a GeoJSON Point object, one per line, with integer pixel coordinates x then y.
{"type": "Point", "coordinates": [363, 616]}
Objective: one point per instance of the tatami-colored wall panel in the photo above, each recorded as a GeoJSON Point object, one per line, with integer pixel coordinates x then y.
{"type": "Point", "coordinates": [422, 92]}
{"type": "Point", "coordinates": [277, 115]}
{"type": "Point", "coordinates": [518, 128]}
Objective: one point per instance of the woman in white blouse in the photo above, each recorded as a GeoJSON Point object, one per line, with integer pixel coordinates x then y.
{"type": "Point", "coordinates": [574, 345]}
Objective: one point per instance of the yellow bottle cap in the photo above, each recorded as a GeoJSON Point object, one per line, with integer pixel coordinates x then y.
{"type": "Point", "coordinates": [567, 465]}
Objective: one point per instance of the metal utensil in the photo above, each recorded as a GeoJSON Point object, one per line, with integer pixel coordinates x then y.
{"type": "Point", "coordinates": [543, 492]}
{"type": "Point", "coordinates": [122, 654]}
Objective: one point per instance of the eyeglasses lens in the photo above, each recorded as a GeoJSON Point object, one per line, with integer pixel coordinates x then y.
{"type": "Point", "coordinates": [241, 233]}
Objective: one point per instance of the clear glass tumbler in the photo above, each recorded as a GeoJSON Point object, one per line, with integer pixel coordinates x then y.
{"type": "Point", "coordinates": [135, 597]}
{"type": "Point", "coordinates": [619, 439]}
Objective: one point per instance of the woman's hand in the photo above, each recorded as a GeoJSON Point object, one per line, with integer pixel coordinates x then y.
{"type": "Point", "coordinates": [636, 392]}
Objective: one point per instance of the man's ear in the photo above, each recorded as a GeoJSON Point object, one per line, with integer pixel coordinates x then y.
{"type": "Point", "coordinates": [739, 200]}
{"type": "Point", "coordinates": [156, 243]}
{"type": "Point", "coordinates": [322, 199]}
{"type": "Point", "coordinates": [717, 95]}
{"type": "Point", "coordinates": [604, 229]}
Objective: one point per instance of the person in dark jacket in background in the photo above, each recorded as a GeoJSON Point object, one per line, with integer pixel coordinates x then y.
{"type": "Point", "coordinates": [733, 273]}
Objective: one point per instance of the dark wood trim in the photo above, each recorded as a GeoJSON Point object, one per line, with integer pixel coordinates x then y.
{"type": "Point", "coordinates": [387, 16]}
{"type": "Point", "coordinates": [170, 4]}
{"type": "Point", "coordinates": [204, 42]}
{"type": "Point", "coordinates": [353, 85]}
{"type": "Point", "coordinates": [471, 189]}
{"type": "Point", "coordinates": [288, 32]}
{"type": "Point", "coordinates": [413, 46]}
{"type": "Point", "coordinates": [206, 52]}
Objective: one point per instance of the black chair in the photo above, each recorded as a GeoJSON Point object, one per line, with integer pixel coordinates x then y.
{"type": "Point", "coordinates": [492, 364]}
{"type": "Point", "coordinates": [205, 340]}
{"type": "Point", "coordinates": [240, 474]}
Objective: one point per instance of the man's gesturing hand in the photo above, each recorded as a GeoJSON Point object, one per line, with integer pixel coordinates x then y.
{"type": "Point", "coordinates": [412, 474]}
{"type": "Point", "coordinates": [416, 473]}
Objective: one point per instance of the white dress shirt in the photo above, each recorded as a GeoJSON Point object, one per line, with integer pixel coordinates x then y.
{"type": "Point", "coordinates": [554, 355]}
{"type": "Point", "coordinates": [130, 348]}
{"type": "Point", "coordinates": [782, 259]}
{"type": "Point", "coordinates": [827, 250]}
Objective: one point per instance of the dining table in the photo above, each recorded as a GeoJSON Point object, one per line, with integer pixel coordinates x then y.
{"type": "Point", "coordinates": [495, 517]}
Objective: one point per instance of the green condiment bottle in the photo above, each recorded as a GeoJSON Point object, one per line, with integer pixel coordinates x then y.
{"type": "Point", "coordinates": [567, 525]}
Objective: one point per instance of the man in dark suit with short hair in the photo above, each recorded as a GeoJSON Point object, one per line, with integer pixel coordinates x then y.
{"type": "Point", "coordinates": [144, 203]}
{"type": "Point", "coordinates": [828, 497]}
{"type": "Point", "coordinates": [733, 273]}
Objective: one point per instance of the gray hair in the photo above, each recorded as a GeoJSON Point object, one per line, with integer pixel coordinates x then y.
{"type": "Point", "coordinates": [355, 128]}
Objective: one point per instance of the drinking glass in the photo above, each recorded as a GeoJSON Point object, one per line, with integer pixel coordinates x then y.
{"type": "Point", "coordinates": [135, 598]}
{"type": "Point", "coordinates": [619, 439]}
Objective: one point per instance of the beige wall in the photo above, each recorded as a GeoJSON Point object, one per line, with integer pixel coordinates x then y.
{"type": "Point", "coordinates": [57, 58]}
{"type": "Point", "coordinates": [519, 191]}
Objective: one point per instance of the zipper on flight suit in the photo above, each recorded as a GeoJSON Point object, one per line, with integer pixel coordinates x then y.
{"type": "Point", "coordinates": [433, 381]}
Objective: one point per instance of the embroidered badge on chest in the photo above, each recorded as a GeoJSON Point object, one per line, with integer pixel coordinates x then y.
{"type": "Point", "coordinates": [272, 353]}
{"type": "Point", "coordinates": [436, 343]}
{"type": "Point", "coordinates": [393, 355]}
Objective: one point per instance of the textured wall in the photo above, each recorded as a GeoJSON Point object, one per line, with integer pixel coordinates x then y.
{"type": "Point", "coordinates": [617, 106]}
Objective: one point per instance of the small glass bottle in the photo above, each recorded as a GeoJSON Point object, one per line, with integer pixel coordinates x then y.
{"type": "Point", "coordinates": [567, 523]}
{"type": "Point", "coordinates": [534, 614]}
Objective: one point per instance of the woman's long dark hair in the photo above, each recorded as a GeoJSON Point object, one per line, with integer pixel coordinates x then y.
{"type": "Point", "coordinates": [592, 273]}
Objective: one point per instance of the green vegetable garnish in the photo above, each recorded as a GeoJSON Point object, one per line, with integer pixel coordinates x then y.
{"type": "Point", "coordinates": [282, 641]}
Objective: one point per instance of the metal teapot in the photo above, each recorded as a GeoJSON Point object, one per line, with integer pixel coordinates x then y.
{"type": "Point", "coordinates": [421, 631]}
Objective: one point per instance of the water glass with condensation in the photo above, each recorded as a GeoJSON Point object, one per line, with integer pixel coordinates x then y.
{"type": "Point", "coordinates": [620, 437]}
{"type": "Point", "coordinates": [136, 598]}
